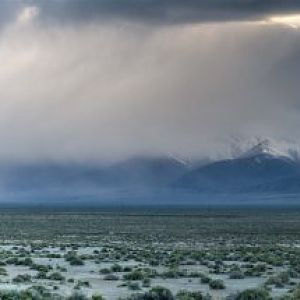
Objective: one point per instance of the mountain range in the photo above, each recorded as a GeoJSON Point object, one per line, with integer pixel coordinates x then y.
{"type": "Point", "coordinates": [261, 169]}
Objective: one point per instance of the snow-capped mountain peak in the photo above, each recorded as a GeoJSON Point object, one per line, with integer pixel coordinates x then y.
{"type": "Point", "coordinates": [268, 147]}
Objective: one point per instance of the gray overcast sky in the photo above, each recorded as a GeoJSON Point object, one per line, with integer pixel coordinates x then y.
{"type": "Point", "coordinates": [154, 11]}
{"type": "Point", "coordinates": [100, 80]}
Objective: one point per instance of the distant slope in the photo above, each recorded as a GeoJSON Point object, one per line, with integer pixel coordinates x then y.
{"type": "Point", "coordinates": [286, 185]}
{"type": "Point", "coordinates": [259, 170]}
{"type": "Point", "coordinates": [139, 172]}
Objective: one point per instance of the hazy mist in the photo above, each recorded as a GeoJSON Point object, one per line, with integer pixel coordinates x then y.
{"type": "Point", "coordinates": [114, 85]}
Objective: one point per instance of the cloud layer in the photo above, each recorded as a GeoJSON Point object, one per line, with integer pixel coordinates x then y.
{"type": "Point", "coordinates": [104, 89]}
{"type": "Point", "coordinates": [152, 11]}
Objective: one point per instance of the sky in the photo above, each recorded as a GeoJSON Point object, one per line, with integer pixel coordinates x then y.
{"type": "Point", "coordinates": [103, 80]}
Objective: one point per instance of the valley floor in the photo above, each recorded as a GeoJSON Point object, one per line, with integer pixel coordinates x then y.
{"type": "Point", "coordinates": [209, 253]}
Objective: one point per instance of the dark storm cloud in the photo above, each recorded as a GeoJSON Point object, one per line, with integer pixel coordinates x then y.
{"type": "Point", "coordinates": [153, 11]}
{"type": "Point", "coordinates": [167, 10]}
{"type": "Point", "coordinates": [9, 10]}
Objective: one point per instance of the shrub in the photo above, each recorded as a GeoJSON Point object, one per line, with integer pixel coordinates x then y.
{"type": "Point", "coordinates": [77, 296]}
{"type": "Point", "coordinates": [253, 294]}
{"type": "Point", "coordinates": [110, 277]}
{"type": "Point", "coordinates": [146, 282]}
{"type": "Point", "coordinates": [76, 261]}
{"type": "Point", "coordinates": [3, 271]}
{"type": "Point", "coordinates": [186, 295]}
{"type": "Point", "coordinates": [22, 278]}
{"type": "Point", "coordinates": [217, 284]}
{"type": "Point", "coordinates": [127, 269]}
{"type": "Point", "coordinates": [41, 275]}
{"type": "Point", "coordinates": [97, 297]}
{"type": "Point", "coordinates": [73, 259]}
{"type": "Point", "coordinates": [82, 284]}
{"type": "Point", "coordinates": [134, 275]}
{"type": "Point", "coordinates": [205, 279]}
{"type": "Point", "coordinates": [116, 268]}
{"type": "Point", "coordinates": [156, 293]}
{"type": "Point", "coordinates": [236, 274]}
{"type": "Point", "coordinates": [134, 286]}
{"type": "Point", "coordinates": [105, 271]}
{"type": "Point", "coordinates": [19, 262]}
{"type": "Point", "coordinates": [173, 273]}
{"type": "Point", "coordinates": [41, 268]}
{"type": "Point", "coordinates": [56, 276]}
{"type": "Point", "coordinates": [34, 293]}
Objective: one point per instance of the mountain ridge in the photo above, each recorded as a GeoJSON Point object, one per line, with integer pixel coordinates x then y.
{"type": "Point", "coordinates": [260, 169]}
